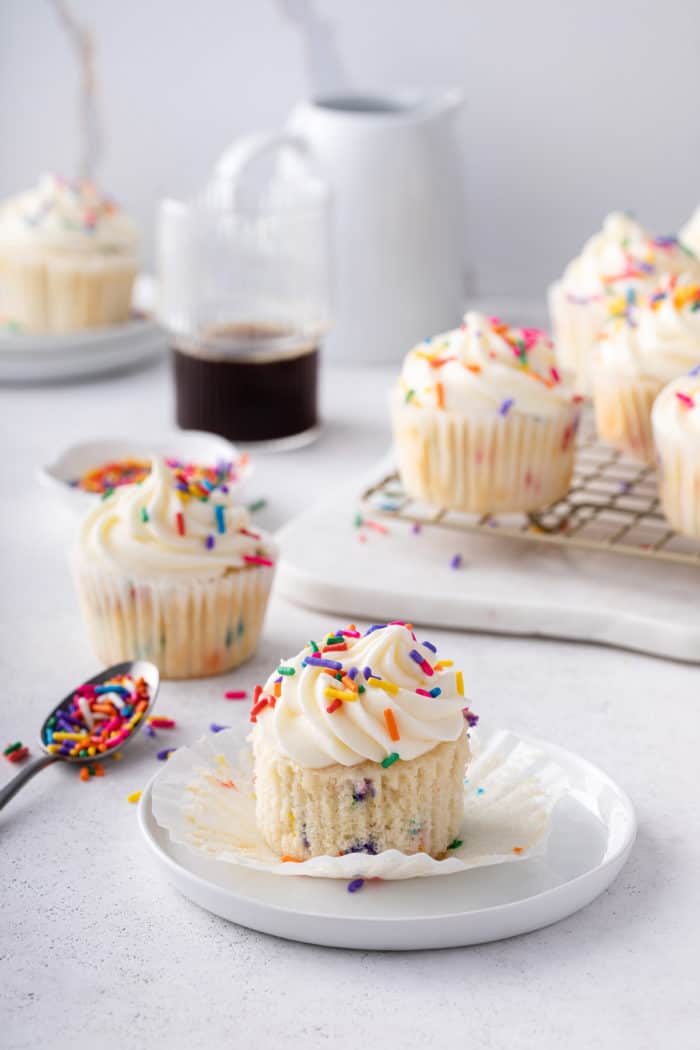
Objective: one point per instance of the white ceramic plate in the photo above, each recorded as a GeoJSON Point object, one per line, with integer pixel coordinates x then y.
{"type": "Point", "coordinates": [195, 446]}
{"type": "Point", "coordinates": [593, 830]}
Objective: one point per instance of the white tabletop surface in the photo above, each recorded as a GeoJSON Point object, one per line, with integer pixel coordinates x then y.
{"type": "Point", "coordinates": [98, 952]}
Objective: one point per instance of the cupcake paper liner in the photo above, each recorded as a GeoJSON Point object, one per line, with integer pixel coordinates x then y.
{"type": "Point", "coordinates": [188, 628]}
{"type": "Point", "coordinates": [205, 799]}
{"type": "Point", "coordinates": [65, 293]}
{"type": "Point", "coordinates": [622, 406]}
{"type": "Point", "coordinates": [575, 327]}
{"type": "Point", "coordinates": [481, 466]}
{"type": "Point", "coordinates": [679, 486]}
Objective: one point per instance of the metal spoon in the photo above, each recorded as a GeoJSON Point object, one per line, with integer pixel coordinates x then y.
{"type": "Point", "coordinates": [135, 668]}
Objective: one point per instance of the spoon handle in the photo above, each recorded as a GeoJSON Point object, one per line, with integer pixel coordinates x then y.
{"type": "Point", "coordinates": [25, 774]}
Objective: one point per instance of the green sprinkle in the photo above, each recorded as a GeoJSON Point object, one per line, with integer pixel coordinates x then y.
{"type": "Point", "coordinates": [13, 747]}
{"type": "Point", "coordinates": [229, 638]}
{"type": "Point", "coordinates": [51, 722]}
{"type": "Point", "coordinates": [360, 689]}
{"type": "Point", "coordinates": [286, 670]}
{"type": "Point", "coordinates": [409, 395]}
{"type": "Point", "coordinates": [456, 843]}
{"type": "Point", "coordinates": [83, 753]}
{"type": "Point", "coordinates": [389, 760]}
{"type": "Point", "coordinates": [144, 515]}
{"type": "Point", "coordinates": [257, 505]}
{"type": "Point", "coordinates": [314, 647]}
{"type": "Point", "coordinates": [107, 493]}
{"type": "Point", "coordinates": [358, 521]}
{"type": "Point", "coordinates": [334, 639]}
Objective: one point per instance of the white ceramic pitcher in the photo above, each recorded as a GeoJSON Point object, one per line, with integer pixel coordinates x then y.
{"type": "Point", "coordinates": [394, 171]}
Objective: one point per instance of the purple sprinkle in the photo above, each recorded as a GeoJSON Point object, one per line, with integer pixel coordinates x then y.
{"type": "Point", "coordinates": [471, 719]}
{"type": "Point", "coordinates": [694, 371]}
{"type": "Point", "coordinates": [150, 731]}
{"type": "Point", "coordinates": [456, 561]}
{"type": "Point", "coordinates": [415, 528]}
{"type": "Point", "coordinates": [367, 672]}
{"type": "Point", "coordinates": [505, 406]}
{"type": "Point", "coordinates": [415, 655]}
{"type": "Point", "coordinates": [320, 662]}
{"type": "Point", "coordinates": [352, 673]}
{"type": "Point", "coordinates": [278, 679]}
{"type": "Point", "coordinates": [216, 728]}
{"type": "Point", "coordinates": [429, 645]}
{"type": "Point", "coordinates": [162, 755]}
{"type": "Point", "coordinates": [355, 885]}
{"type": "Point", "coordinates": [224, 489]}
{"type": "Point", "coordinates": [375, 627]}
{"type": "Point", "coordinates": [210, 541]}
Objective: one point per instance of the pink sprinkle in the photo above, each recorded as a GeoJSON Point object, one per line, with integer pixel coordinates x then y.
{"type": "Point", "coordinates": [555, 374]}
{"type": "Point", "coordinates": [685, 400]}
{"type": "Point", "coordinates": [253, 559]}
{"type": "Point", "coordinates": [235, 694]}
{"type": "Point", "coordinates": [427, 669]}
{"type": "Point", "coordinates": [375, 525]}
{"type": "Point", "coordinates": [423, 692]}
{"type": "Point", "coordinates": [350, 634]}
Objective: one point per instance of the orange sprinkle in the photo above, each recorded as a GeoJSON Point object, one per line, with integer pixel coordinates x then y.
{"type": "Point", "coordinates": [277, 688]}
{"type": "Point", "coordinates": [84, 773]}
{"type": "Point", "coordinates": [290, 860]}
{"type": "Point", "coordinates": [391, 724]}
{"type": "Point", "coordinates": [517, 849]}
{"type": "Point", "coordinates": [99, 770]}
{"type": "Point", "coordinates": [349, 683]}
{"type": "Point", "coordinates": [473, 368]}
{"type": "Point", "coordinates": [440, 394]}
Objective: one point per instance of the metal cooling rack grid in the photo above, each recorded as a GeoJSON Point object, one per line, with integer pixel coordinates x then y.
{"type": "Point", "coordinates": [612, 506]}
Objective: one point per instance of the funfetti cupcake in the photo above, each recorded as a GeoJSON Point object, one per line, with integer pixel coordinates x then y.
{"type": "Point", "coordinates": [173, 571]}
{"type": "Point", "coordinates": [482, 421]}
{"type": "Point", "coordinates": [622, 258]}
{"type": "Point", "coordinates": [360, 744]}
{"type": "Point", "coordinates": [67, 258]}
{"type": "Point", "coordinates": [676, 425]}
{"type": "Point", "coordinates": [645, 344]}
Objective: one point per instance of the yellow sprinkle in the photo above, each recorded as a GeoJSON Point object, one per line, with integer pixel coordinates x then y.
{"type": "Point", "coordinates": [70, 736]}
{"type": "Point", "coordinates": [53, 748]}
{"type": "Point", "coordinates": [443, 663]}
{"type": "Point", "coordinates": [117, 756]}
{"type": "Point", "coordinates": [388, 687]}
{"type": "Point", "coordinates": [459, 682]}
{"type": "Point", "coordinates": [134, 796]}
{"type": "Point", "coordinates": [339, 694]}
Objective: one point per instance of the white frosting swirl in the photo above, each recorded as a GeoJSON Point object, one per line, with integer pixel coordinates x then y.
{"type": "Point", "coordinates": [659, 337]}
{"type": "Point", "coordinates": [152, 529]}
{"type": "Point", "coordinates": [675, 416]}
{"type": "Point", "coordinates": [301, 727]}
{"type": "Point", "coordinates": [68, 217]}
{"type": "Point", "coordinates": [622, 255]}
{"type": "Point", "coordinates": [485, 366]}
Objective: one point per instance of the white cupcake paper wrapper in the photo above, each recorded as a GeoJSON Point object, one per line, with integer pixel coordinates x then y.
{"type": "Point", "coordinates": [510, 791]}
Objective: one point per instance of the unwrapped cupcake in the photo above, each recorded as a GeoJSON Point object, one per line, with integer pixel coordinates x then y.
{"type": "Point", "coordinates": [360, 744]}
{"type": "Point", "coordinates": [676, 425]}
{"type": "Point", "coordinates": [171, 570]}
{"type": "Point", "coordinates": [67, 258]}
{"type": "Point", "coordinates": [645, 344]}
{"type": "Point", "coordinates": [622, 258]}
{"type": "Point", "coordinates": [482, 421]}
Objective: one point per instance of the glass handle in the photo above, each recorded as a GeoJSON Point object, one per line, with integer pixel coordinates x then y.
{"type": "Point", "coordinates": [234, 160]}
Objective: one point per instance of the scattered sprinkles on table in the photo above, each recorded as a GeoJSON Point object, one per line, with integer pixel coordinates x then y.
{"type": "Point", "coordinates": [16, 752]}
{"type": "Point", "coordinates": [97, 718]}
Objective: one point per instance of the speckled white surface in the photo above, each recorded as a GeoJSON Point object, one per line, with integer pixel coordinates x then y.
{"type": "Point", "coordinates": [96, 951]}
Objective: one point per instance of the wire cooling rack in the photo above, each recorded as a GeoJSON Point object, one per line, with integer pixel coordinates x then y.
{"type": "Point", "coordinates": [612, 505]}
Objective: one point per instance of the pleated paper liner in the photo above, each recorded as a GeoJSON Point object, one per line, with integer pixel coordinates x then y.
{"type": "Point", "coordinates": [205, 799]}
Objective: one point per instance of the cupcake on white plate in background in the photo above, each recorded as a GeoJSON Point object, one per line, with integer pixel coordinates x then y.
{"type": "Point", "coordinates": [360, 744]}
{"type": "Point", "coordinates": [68, 258]}
{"type": "Point", "coordinates": [621, 259]}
{"type": "Point", "coordinates": [676, 424]}
{"type": "Point", "coordinates": [645, 344]}
{"type": "Point", "coordinates": [482, 421]}
{"type": "Point", "coordinates": [172, 570]}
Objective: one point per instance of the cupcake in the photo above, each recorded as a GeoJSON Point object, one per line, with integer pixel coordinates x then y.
{"type": "Point", "coordinates": [645, 344]}
{"type": "Point", "coordinates": [67, 258]}
{"type": "Point", "coordinates": [676, 424]}
{"type": "Point", "coordinates": [360, 745]}
{"type": "Point", "coordinates": [171, 570]}
{"type": "Point", "coordinates": [482, 421]}
{"type": "Point", "coordinates": [622, 257]}
{"type": "Point", "coordinates": [690, 234]}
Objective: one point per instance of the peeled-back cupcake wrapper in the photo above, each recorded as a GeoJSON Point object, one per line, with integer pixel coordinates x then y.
{"type": "Point", "coordinates": [188, 628]}
{"type": "Point", "coordinates": [623, 413]}
{"type": "Point", "coordinates": [575, 326]}
{"type": "Point", "coordinates": [516, 463]}
{"type": "Point", "coordinates": [205, 799]}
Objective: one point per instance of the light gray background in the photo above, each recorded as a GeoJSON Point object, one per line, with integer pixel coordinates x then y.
{"type": "Point", "coordinates": [572, 108]}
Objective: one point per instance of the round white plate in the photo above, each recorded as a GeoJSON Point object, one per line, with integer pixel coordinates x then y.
{"type": "Point", "coordinates": [193, 446]}
{"type": "Point", "coordinates": [593, 830]}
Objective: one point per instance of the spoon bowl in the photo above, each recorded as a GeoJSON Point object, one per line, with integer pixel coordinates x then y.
{"type": "Point", "coordinates": [136, 669]}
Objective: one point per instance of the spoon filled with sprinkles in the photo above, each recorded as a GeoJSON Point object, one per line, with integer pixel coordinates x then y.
{"type": "Point", "coordinates": [95, 720]}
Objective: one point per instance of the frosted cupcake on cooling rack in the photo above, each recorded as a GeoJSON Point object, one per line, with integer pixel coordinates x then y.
{"type": "Point", "coordinates": [67, 258]}
{"type": "Point", "coordinates": [172, 570]}
{"type": "Point", "coordinates": [623, 257]}
{"type": "Point", "coordinates": [481, 420]}
{"type": "Point", "coordinates": [360, 744]}
{"type": "Point", "coordinates": [676, 426]}
{"type": "Point", "coordinates": [646, 343]}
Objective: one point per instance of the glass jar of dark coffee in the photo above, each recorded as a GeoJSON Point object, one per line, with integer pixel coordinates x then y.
{"type": "Point", "coordinates": [244, 294]}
